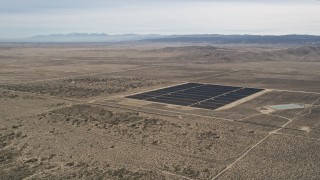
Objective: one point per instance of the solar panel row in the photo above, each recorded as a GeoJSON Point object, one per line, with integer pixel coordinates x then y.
{"type": "Point", "coordinates": [197, 95]}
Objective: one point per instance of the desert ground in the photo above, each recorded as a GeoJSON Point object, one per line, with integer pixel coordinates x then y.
{"type": "Point", "coordinates": [64, 112]}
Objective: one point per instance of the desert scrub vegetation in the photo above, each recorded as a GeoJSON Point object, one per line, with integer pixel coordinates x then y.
{"type": "Point", "coordinates": [85, 87]}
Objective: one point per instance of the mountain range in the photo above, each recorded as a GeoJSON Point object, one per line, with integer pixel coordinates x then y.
{"type": "Point", "coordinates": [197, 38]}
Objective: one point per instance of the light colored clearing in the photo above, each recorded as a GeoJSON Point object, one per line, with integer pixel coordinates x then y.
{"type": "Point", "coordinates": [266, 110]}
{"type": "Point", "coordinates": [305, 128]}
{"type": "Point", "coordinates": [240, 101]}
{"type": "Point", "coordinates": [286, 106]}
{"type": "Point", "coordinates": [180, 107]}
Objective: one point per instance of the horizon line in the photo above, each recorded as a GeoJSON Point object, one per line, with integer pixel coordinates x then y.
{"type": "Point", "coordinates": [160, 34]}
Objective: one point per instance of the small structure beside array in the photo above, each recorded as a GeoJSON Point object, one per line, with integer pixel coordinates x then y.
{"type": "Point", "coordinates": [197, 95]}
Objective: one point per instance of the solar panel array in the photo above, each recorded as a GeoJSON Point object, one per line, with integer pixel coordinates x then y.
{"type": "Point", "coordinates": [204, 96]}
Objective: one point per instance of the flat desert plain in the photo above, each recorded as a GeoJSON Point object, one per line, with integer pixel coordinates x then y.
{"type": "Point", "coordinates": [65, 112]}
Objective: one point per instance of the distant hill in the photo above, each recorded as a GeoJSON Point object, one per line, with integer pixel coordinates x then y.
{"type": "Point", "coordinates": [200, 38]}
{"type": "Point", "coordinates": [84, 37]}
{"type": "Point", "coordinates": [239, 39]}
{"type": "Point", "coordinates": [226, 54]}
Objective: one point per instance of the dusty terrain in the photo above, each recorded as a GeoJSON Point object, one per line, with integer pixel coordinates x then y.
{"type": "Point", "coordinates": [64, 113]}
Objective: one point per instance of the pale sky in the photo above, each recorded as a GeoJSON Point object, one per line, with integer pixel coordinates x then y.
{"type": "Point", "coordinates": [24, 18]}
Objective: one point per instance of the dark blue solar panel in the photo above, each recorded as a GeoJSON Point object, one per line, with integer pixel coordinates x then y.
{"type": "Point", "coordinates": [197, 95]}
{"type": "Point", "coordinates": [176, 99]}
{"type": "Point", "coordinates": [187, 97]}
{"type": "Point", "coordinates": [170, 102]}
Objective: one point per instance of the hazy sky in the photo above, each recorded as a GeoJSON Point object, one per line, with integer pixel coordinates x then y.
{"type": "Point", "coordinates": [23, 18]}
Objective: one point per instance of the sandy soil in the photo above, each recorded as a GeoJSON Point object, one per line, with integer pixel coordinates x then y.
{"type": "Point", "coordinates": [64, 114]}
